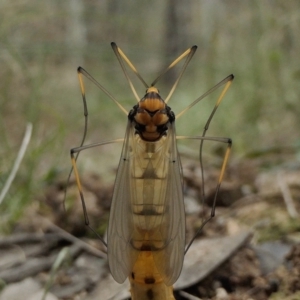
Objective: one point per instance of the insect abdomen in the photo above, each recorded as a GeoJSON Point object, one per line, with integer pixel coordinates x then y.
{"type": "Point", "coordinates": [146, 283]}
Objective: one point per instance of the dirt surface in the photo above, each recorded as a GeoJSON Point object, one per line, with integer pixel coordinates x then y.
{"type": "Point", "coordinates": [256, 199]}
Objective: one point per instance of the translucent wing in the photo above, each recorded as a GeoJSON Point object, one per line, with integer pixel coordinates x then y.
{"type": "Point", "coordinates": [172, 227]}
{"type": "Point", "coordinates": [147, 212]}
{"type": "Point", "coordinates": [120, 255]}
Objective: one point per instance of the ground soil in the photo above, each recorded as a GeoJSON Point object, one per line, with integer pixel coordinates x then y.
{"type": "Point", "coordinates": [258, 194]}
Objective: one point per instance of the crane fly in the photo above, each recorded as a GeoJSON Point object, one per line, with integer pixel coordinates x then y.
{"type": "Point", "coordinates": [146, 230]}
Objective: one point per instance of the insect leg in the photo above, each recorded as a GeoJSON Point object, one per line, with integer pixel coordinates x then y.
{"type": "Point", "coordinates": [82, 72]}
{"type": "Point", "coordinates": [228, 80]}
{"type": "Point", "coordinates": [85, 113]}
{"type": "Point", "coordinates": [121, 56]}
{"type": "Point", "coordinates": [189, 53]}
{"type": "Point", "coordinates": [228, 141]}
{"type": "Point", "coordinates": [74, 154]}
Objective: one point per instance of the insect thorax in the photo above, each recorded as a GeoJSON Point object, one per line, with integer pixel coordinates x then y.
{"type": "Point", "coordinates": [151, 116]}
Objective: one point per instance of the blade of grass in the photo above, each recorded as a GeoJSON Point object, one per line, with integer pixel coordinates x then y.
{"type": "Point", "coordinates": [12, 175]}
{"type": "Point", "coordinates": [62, 256]}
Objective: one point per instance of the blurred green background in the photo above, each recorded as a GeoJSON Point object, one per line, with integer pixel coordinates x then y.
{"type": "Point", "coordinates": [43, 42]}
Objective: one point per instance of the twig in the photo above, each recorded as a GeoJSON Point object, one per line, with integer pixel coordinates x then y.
{"type": "Point", "coordinates": [33, 266]}
{"type": "Point", "coordinates": [28, 238]}
{"type": "Point", "coordinates": [17, 163]}
{"type": "Point", "coordinates": [75, 240]}
{"type": "Point", "coordinates": [188, 296]}
{"type": "Point", "coordinates": [287, 197]}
